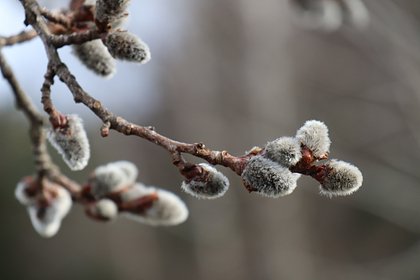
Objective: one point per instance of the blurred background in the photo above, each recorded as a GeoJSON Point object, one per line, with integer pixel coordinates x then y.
{"type": "Point", "coordinates": [235, 74]}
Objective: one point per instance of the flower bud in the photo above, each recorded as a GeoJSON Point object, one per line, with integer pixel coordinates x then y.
{"type": "Point", "coordinates": [103, 210]}
{"type": "Point", "coordinates": [71, 141]}
{"type": "Point", "coordinates": [314, 135]}
{"type": "Point", "coordinates": [341, 178]}
{"type": "Point", "coordinates": [95, 56]}
{"type": "Point", "coordinates": [165, 209]}
{"type": "Point", "coordinates": [211, 184]}
{"type": "Point", "coordinates": [284, 150]}
{"type": "Point", "coordinates": [128, 168]}
{"type": "Point", "coordinates": [126, 46]}
{"type": "Point", "coordinates": [112, 177]}
{"type": "Point", "coordinates": [46, 216]}
{"type": "Point", "coordinates": [22, 193]}
{"type": "Point", "coordinates": [268, 178]}
{"type": "Point", "coordinates": [110, 11]}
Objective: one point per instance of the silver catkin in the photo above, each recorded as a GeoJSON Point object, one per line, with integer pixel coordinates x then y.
{"type": "Point", "coordinates": [110, 178]}
{"type": "Point", "coordinates": [341, 179]}
{"type": "Point", "coordinates": [284, 150]}
{"type": "Point", "coordinates": [72, 143]}
{"type": "Point", "coordinates": [269, 178]}
{"type": "Point", "coordinates": [47, 221]}
{"type": "Point", "coordinates": [127, 46]}
{"type": "Point", "coordinates": [111, 10]}
{"type": "Point", "coordinates": [106, 209]}
{"type": "Point", "coordinates": [314, 135]}
{"type": "Point", "coordinates": [167, 210]}
{"type": "Point", "coordinates": [96, 57]}
{"type": "Point", "coordinates": [129, 169]}
{"type": "Point", "coordinates": [214, 185]}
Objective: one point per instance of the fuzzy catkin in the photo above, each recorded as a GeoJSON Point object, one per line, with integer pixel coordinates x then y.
{"type": "Point", "coordinates": [20, 192]}
{"type": "Point", "coordinates": [128, 168]}
{"type": "Point", "coordinates": [342, 178]}
{"type": "Point", "coordinates": [111, 178]}
{"type": "Point", "coordinates": [314, 135]}
{"type": "Point", "coordinates": [127, 46]}
{"type": "Point", "coordinates": [284, 150]}
{"type": "Point", "coordinates": [110, 10]}
{"type": "Point", "coordinates": [106, 209]}
{"type": "Point", "coordinates": [71, 142]}
{"type": "Point", "coordinates": [269, 178]}
{"type": "Point", "coordinates": [214, 185]}
{"type": "Point", "coordinates": [95, 56]}
{"type": "Point", "coordinates": [167, 210]}
{"type": "Point", "coordinates": [46, 220]}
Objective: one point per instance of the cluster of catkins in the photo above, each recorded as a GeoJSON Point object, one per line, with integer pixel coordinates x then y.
{"type": "Point", "coordinates": [111, 190]}
{"type": "Point", "coordinates": [98, 55]}
{"type": "Point", "coordinates": [115, 190]}
{"type": "Point", "coordinates": [47, 203]}
{"type": "Point", "coordinates": [270, 172]}
{"type": "Point", "coordinates": [330, 15]}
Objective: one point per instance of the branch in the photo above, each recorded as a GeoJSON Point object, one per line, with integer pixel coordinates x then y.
{"type": "Point", "coordinates": [115, 122]}
{"type": "Point", "coordinates": [259, 169]}
{"type": "Point", "coordinates": [22, 37]}
{"type": "Point", "coordinates": [43, 162]}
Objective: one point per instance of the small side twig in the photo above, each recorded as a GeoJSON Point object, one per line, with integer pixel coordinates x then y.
{"type": "Point", "coordinates": [22, 37]}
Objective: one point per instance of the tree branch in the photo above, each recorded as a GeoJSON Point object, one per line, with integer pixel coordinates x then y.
{"type": "Point", "coordinates": [43, 162]}
{"type": "Point", "coordinates": [22, 37]}
{"type": "Point", "coordinates": [34, 18]}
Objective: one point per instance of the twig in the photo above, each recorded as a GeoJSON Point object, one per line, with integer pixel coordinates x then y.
{"type": "Point", "coordinates": [43, 162]}
{"type": "Point", "coordinates": [22, 37]}
{"type": "Point", "coordinates": [56, 17]}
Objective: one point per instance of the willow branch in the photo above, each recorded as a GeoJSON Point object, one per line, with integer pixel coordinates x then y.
{"type": "Point", "coordinates": [22, 37]}
{"type": "Point", "coordinates": [43, 162]}
{"type": "Point", "coordinates": [111, 120]}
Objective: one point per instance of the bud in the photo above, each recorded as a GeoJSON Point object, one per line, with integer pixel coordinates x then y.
{"type": "Point", "coordinates": [112, 177]}
{"type": "Point", "coordinates": [166, 209]}
{"type": "Point", "coordinates": [128, 168]}
{"type": "Point", "coordinates": [341, 178]}
{"type": "Point", "coordinates": [109, 11]}
{"type": "Point", "coordinates": [314, 135]}
{"type": "Point", "coordinates": [46, 216]}
{"type": "Point", "coordinates": [284, 150]}
{"type": "Point", "coordinates": [95, 56]}
{"type": "Point", "coordinates": [269, 178]}
{"type": "Point", "coordinates": [22, 193]}
{"type": "Point", "coordinates": [71, 141]}
{"type": "Point", "coordinates": [126, 46]}
{"type": "Point", "coordinates": [103, 210]}
{"type": "Point", "coordinates": [211, 184]}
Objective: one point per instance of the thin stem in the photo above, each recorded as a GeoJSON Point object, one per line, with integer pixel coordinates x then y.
{"type": "Point", "coordinates": [22, 37]}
